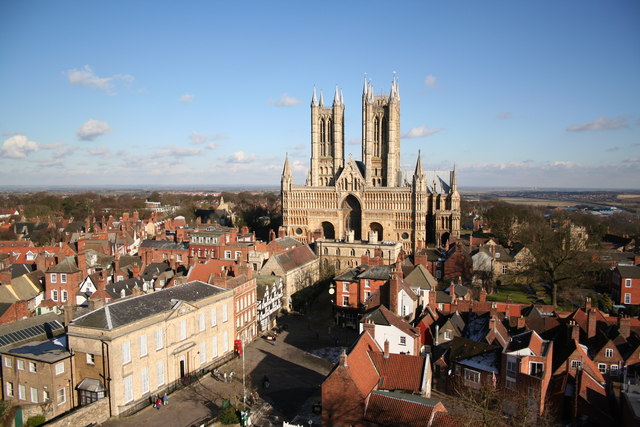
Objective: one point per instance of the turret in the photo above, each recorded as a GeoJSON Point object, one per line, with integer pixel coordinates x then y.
{"type": "Point", "coordinates": [287, 177]}
{"type": "Point", "coordinates": [419, 183]}
{"type": "Point", "coordinates": [314, 99]}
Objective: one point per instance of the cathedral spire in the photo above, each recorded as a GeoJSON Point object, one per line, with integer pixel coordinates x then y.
{"type": "Point", "coordinates": [321, 99]}
{"type": "Point", "coordinates": [419, 172]}
{"type": "Point", "coordinates": [336, 97]}
{"type": "Point", "coordinates": [341, 97]}
{"type": "Point", "coordinates": [314, 99]}
{"type": "Point", "coordinates": [286, 171]}
{"type": "Point", "coordinates": [454, 182]}
{"type": "Point", "coordinates": [365, 87]}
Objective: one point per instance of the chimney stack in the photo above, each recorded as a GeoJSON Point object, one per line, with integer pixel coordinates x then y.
{"type": "Point", "coordinates": [574, 331]}
{"type": "Point", "coordinates": [494, 309]}
{"type": "Point", "coordinates": [483, 295]}
{"type": "Point", "coordinates": [369, 326]}
{"type": "Point", "coordinates": [343, 359]}
{"type": "Point", "coordinates": [394, 288]}
{"type": "Point", "coordinates": [385, 354]}
{"type": "Point", "coordinates": [624, 325]}
{"type": "Point", "coordinates": [587, 304]}
{"type": "Point", "coordinates": [591, 322]}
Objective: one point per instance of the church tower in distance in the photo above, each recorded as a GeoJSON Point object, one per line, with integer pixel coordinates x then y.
{"type": "Point", "coordinates": [369, 200]}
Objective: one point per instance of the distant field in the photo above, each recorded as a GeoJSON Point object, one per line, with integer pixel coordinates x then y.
{"type": "Point", "coordinates": [629, 197]}
{"type": "Point", "coordinates": [535, 202]}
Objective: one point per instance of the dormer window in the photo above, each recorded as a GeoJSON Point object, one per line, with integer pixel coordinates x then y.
{"type": "Point", "coordinates": [608, 352]}
{"type": "Point", "coordinates": [30, 256]}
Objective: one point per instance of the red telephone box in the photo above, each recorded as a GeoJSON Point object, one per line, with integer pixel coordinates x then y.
{"type": "Point", "coordinates": [237, 347]}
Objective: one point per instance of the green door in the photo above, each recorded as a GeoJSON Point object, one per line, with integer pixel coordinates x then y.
{"type": "Point", "coordinates": [18, 418]}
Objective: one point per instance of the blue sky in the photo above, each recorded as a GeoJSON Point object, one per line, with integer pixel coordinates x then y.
{"type": "Point", "coordinates": [532, 94]}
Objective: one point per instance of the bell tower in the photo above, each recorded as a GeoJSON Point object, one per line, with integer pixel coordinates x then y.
{"type": "Point", "coordinates": [381, 136]}
{"type": "Point", "coordinates": [327, 140]}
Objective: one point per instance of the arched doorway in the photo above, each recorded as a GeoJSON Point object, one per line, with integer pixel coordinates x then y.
{"type": "Point", "coordinates": [444, 239]}
{"type": "Point", "coordinates": [377, 227]}
{"type": "Point", "coordinates": [351, 213]}
{"type": "Point", "coordinates": [328, 231]}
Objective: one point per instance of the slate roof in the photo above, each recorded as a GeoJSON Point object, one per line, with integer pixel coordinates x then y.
{"type": "Point", "coordinates": [115, 289]}
{"type": "Point", "coordinates": [629, 271]}
{"type": "Point", "coordinates": [163, 244]}
{"type": "Point", "coordinates": [296, 257]}
{"type": "Point", "coordinates": [126, 260]}
{"type": "Point", "coordinates": [129, 310]}
{"type": "Point", "coordinates": [383, 316]}
{"type": "Point", "coordinates": [287, 242]}
{"type": "Point", "coordinates": [48, 351]}
{"type": "Point", "coordinates": [154, 269]}
{"type": "Point", "coordinates": [18, 270]}
{"type": "Point", "coordinates": [378, 272]}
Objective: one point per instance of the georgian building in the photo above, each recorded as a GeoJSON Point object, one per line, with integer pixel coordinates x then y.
{"type": "Point", "coordinates": [370, 194]}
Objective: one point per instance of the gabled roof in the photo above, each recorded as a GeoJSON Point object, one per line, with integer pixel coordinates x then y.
{"type": "Point", "coordinates": [399, 371]}
{"type": "Point", "coordinates": [528, 340]}
{"type": "Point", "coordinates": [115, 289]}
{"type": "Point", "coordinates": [383, 316]}
{"type": "Point", "coordinates": [67, 265]}
{"type": "Point", "coordinates": [386, 408]}
{"type": "Point", "coordinates": [163, 244]}
{"type": "Point", "coordinates": [420, 277]}
{"type": "Point", "coordinates": [629, 271]}
{"type": "Point", "coordinates": [129, 310]}
{"type": "Point", "coordinates": [287, 242]}
{"type": "Point", "coordinates": [378, 272]}
{"type": "Point", "coordinates": [295, 258]}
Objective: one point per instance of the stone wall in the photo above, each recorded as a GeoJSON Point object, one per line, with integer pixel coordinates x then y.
{"type": "Point", "coordinates": [96, 412]}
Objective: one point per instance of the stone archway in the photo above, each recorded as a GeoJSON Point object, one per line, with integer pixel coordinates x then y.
{"type": "Point", "coordinates": [444, 239]}
{"type": "Point", "coordinates": [328, 230]}
{"type": "Point", "coordinates": [352, 214]}
{"type": "Point", "coordinates": [377, 227]}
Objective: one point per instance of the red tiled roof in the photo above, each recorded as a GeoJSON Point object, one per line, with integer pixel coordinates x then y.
{"type": "Point", "coordinates": [360, 366]}
{"type": "Point", "coordinates": [296, 257]}
{"type": "Point", "coordinates": [203, 272]}
{"type": "Point", "coordinates": [397, 409]}
{"type": "Point", "coordinates": [399, 371]}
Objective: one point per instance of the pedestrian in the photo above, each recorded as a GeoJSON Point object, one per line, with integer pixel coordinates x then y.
{"type": "Point", "coordinates": [158, 403]}
{"type": "Point", "coordinates": [274, 340]}
{"type": "Point", "coordinates": [165, 399]}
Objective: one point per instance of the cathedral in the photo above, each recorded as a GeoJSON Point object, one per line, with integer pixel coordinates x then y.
{"type": "Point", "coordinates": [371, 199]}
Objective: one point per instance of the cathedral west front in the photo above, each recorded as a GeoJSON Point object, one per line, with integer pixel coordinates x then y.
{"type": "Point", "coordinates": [369, 199]}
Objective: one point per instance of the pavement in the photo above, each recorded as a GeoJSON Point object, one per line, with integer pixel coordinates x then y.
{"type": "Point", "coordinates": [294, 373]}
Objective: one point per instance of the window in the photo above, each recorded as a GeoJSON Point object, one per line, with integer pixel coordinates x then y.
{"type": "Point", "coordinates": [183, 329]}
{"type": "Point", "coordinates": [225, 342]}
{"type": "Point", "coordinates": [627, 283]}
{"type": "Point", "coordinates": [20, 364]}
{"type": "Point", "coordinates": [126, 352]}
{"type": "Point", "coordinates": [345, 300]}
{"type": "Point", "coordinates": [7, 362]}
{"type": "Point", "coordinates": [160, 373]}
{"type": "Point", "coordinates": [32, 367]}
{"type": "Point", "coordinates": [225, 314]}
{"type": "Point", "coordinates": [504, 269]}
{"type": "Point", "coordinates": [54, 295]}
{"type": "Point", "coordinates": [9, 389]}
{"type": "Point", "coordinates": [91, 360]}
{"type": "Point", "coordinates": [238, 254]}
{"type": "Point", "coordinates": [34, 395]}
{"type": "Point", "coordinates": [367, 294]}
{"type": "Point", "coordinates": [144, 378]}
{"type": "Point", "coordinates": [512, 367]}
{"type": "Point", "coordinates": [54, 278]}
{"type": "Point", "coordinates": [471, 376]}
{"type": "Point", "coordinates": [345, 286]}
{"type": "Point", "coordinates": [63, 296]}
{"type": "Point", "coordinates": [59, 368]}
{"type": "Point", "coordinates": [227, 254]}
{"type": "Point", "coordinates": [128, 389]}
{"type": "Point", "coordinates": [201, 321]}
{"type": "Point", "coordinates": [63, 278]}
{"type": "Point", "coordinates": [214, 347]}
{"type": "Point", "coordinates": [576, 364]}
{"type": "Point", "coordinates": [447, 335]}
{"type": "Point", "coordinates": [602, 367]}
{"type": "Point", "coordinates": [536, 369]}
{"type": "Point", "coordinates": [403, 340]}
{"type": "Point", "coordinates": [608, 352]}
{"type": "Point", "coordinates": [510, 384]}
{"type": "Point", "coordinates": [203, 352]}
{"type": "Point", "coordinates": [627, 298]}
{"type": "Point", "coordinates": [45, 396]}
{"type": "Point", "coordinates": [367, 283]}
{"type": "Point", "coordinates": [159, 339]}
{"type": "Point", "coordinates": [22, 392]}
{"type": "Point", "coordinates": [143, 345]}
{"type": "Point", "coordinates": [179, 257]}
{"type": "Point", "coordinates": [214, 317]}
{"type": "Point", "coordinates": [613, 370]}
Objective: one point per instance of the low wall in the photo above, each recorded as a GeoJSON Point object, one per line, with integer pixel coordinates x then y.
{"type": "Point", "coordinates": [96, 412]}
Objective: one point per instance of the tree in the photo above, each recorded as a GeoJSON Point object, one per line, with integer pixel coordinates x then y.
{"type": "Point", "coordinates": [556, 261]}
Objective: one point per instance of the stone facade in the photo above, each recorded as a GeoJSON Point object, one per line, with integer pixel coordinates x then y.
{"type": "Point", "coordinates": [371, 194]}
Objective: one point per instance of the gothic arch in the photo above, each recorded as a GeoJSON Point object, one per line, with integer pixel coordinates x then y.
{"type": "Point", "coordinates": [352, 215]}
{"type": "Point", "coordinates": [328, 230]}
{"type": "Point", "coordinates": [376, 226]}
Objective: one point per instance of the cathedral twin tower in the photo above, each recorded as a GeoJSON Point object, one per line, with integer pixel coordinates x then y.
{"type": "Point", "coordinates": [367, 199]}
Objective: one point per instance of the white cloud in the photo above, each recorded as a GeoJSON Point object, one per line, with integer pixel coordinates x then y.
{"type": "Point", "coordinates": [17, 147]}
{"type": "Point", "coordinates": [187, 98]}
{"type": "Point", "coordinates": [354, 141]}
{"type": "Point", "coordinates": [174, 151]}
{"type": "Point", "coordinates": [98, 151]}
{"type": "Point", "coordinates": [198, 138]}
{"type": "Point", "coordinates": [87, 78]}
{"type": "Point", "coordinates": [504, 115]}
{"type": "Point", "coordinates": [632, 160]}
{"type": "Point", "coordinates": [298, 166]}
{"type": "Point", "coordinates": [53, 161]}
{"type": "Point", "coordinates": [601, 123]}
{"type": "Point", "coordinates": [91, 129]}
{"type": "Point", "coordinates": [430, 81]}
{"type": "Point", "coordinates": [421, 132]}
{"type": "Point", "coordinates": [241, 157]}
{"type": "Point", "coordinates": [212, 145]}
{"type": "Point", "coordinates": [286, 101]}
{"type": "Point", "coordinates": [63, 151]}
{"type": "Point", "coordinates": [53, 145]}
